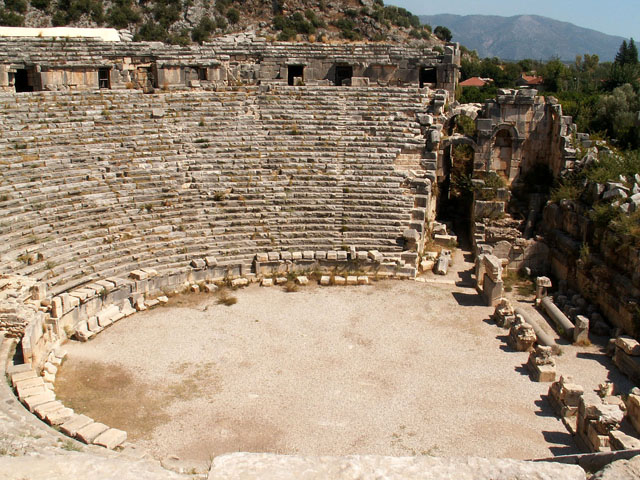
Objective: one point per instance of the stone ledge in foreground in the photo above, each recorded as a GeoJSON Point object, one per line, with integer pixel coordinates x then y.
{"type": "Point", "coordinates": [266, 466]}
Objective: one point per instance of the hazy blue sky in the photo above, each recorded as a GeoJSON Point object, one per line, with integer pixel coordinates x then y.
{"type": "Point", "coordinates": [615, 17]}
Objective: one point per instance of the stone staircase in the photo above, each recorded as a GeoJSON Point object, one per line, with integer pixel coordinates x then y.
{"type": "Point", "coordinates": [97, 184]}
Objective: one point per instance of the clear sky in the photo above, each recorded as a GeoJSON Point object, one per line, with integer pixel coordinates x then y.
{"type": "Point", "coordinates": [615, 17]}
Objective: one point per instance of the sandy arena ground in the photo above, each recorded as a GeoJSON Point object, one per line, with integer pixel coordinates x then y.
{"type": "Point", "coordinates": [395, 368]}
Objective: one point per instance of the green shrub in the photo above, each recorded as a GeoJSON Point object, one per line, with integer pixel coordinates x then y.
{"type": "Point", "coordinates": [167, 12]}
{"type": "Point", "coordinates": [41, 4]}
{"type": "Point", "coordinates": [565, 192]}
{"type": "Point", "coordinates": [610, 167]}
{"type": "Point", "coordinates": [290, 26]}
{"type": "Point", "coordinates": [152, 32]}
{"type": "Point", "coordinates": [19, 6]}
{"type": "Point", "coordinates": [233, 16]}
{"type": "Point", "coordinates": [122, 14]}
{"type": "Point", "coordinates": [203, 30]}
{"type": "Point", "coordinates": [10, 19]}
{"type": "Point", "coordinates": [603, 214]}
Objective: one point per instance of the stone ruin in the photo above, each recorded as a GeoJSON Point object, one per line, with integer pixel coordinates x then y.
{"type": "Point", "coordinates": [131, 170]}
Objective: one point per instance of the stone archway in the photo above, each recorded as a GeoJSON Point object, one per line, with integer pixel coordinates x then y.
{"type": "Point", "coordinates": [505, 153]}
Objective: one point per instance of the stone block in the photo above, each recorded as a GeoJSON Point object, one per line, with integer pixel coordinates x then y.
{"type": "Point", "coordinates": [621, 441]}
{"type": "Point", "coordinates": [266, 282]}
{"type": "Point", "coordinates": [262, 257]}
{"type": "Point", "coordinates": [341, 255]}
{"type": "Point", "coordinates": [325, 280]}
{"type": "Point", "coordinates": [321, 255]}
{"type": "Point", "coordinates": [59, 417]}
{"type": "Point", "coordinates": [239, 282]}
{"type": "Point", "coordinates": [24, 375]}
{"type": "Point", "coordinates": [210, 287]}
{"type": "Point", "coordinates": [33, 401]}
{"type": "Point", "coordinates": [89, 433]}
{"type": "Point", "coordinates": [581, 330]}
{"type": "Point", "coordinates": [211, 261]}
{"type": "Point", "coordinates": [352, 280]}
{"type": "Point", "coordinates": [111, 438]}
{"type": "Point", "coordinates": [198, 263]}
{"type": "Point", "coordinates": [332, 255]}
{"type": "Point", "coordinates": [338, 280]}
{"type": "Point", "coordinates": [308, 255]}
{"type": "Point", "coordinates": [296, 256]}
{"type": "Point", "coordinates": [41, 411]}
{"type": "Point", "coordinates": [629, 345]}
{"type": "Point", "coordinates": [75, 423]}
{"type": "Point", "coordinates": [138, 275]}
{"type": "Point", "coordinates": [273, 256]}
{"type": "Point", "coordinates": [281, 280]}
{"type": "Point", "coordinates": [302, 280]}
{"type": "Point", "coordinates": [92, 325]}
{"type": "Point", "coordinates": [492, 291]}
{"type": "Point", "coordinates": [363, 280]}
{"type": "Point", "coordinates": [375, 255]}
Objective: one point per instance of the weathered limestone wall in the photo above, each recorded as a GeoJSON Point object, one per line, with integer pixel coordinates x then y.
{"type": "Point", "coordinates": [609, 276]}
{"type": "Point", "coordinates": [519, 130]}
{"type": "Point", "coordinates": [227, 60]}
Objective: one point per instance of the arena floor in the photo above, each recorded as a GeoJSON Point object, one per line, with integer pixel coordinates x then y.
{"type": "Point", "coordinates": [394, 368]}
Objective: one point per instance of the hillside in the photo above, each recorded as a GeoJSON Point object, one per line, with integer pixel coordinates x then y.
{"type": "Point", "coordinates": [525, 36]}
{"type": "Point", "coordinates": [187, 21]}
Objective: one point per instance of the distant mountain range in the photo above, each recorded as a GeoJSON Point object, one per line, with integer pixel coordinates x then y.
{"type": "Point", "coordinates": [525, 36]}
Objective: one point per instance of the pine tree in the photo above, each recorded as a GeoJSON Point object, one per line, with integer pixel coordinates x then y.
{"type": "Point", "coordinates": [621, 56]}
{"type": "Point", "coordinates": [632, 53]}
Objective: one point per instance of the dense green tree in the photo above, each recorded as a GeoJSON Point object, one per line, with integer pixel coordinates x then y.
{"type": "Point", "coordinates": [443, 33]}
{"type": "Point", "coordinates": [617, 114]}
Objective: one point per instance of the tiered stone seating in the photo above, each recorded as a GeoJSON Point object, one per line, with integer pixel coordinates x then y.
{"type": "Point", "coordinates": [99, 184]}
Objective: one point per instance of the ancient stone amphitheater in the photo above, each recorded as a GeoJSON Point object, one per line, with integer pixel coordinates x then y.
{"type": "Point", "coordinates": [129, 171]}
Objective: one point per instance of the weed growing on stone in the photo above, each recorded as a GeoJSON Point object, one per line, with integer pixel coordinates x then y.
{"type": "Point", "coordinates": [70, 446]}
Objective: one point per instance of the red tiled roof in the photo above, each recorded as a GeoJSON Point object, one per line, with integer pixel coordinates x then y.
{"type": "Point", "coordinates": [474, 82]}
{"type": "Point", "coordinates": [532, 79]}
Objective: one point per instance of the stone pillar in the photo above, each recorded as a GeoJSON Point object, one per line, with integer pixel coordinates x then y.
{"type": "Point", "coordinates": [492, 285]}
{"type": "Point", "coordinates": [542, 284]}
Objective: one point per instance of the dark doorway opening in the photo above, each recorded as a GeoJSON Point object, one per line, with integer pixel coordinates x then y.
{"type": "Point", "coordinates": [104, 80]}
{"type": "Point", "coordinates": [202, 74]}
{"type": "Point", "coordinates": [428, 76]}
{"type": "Point", "coordinates": [294, 71]}
{"type": "Point", "coordinates": [21, 81]}
{"type": "Point", "coordinates": [343, 72]}
{"type": "Point", "coordinates": [455, 190]}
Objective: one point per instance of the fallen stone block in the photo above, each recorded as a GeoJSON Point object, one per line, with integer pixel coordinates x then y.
{"type": "Point", "coordinates": [163, 299]}
{"type": "Point", "coordinates": [629, 345]}
{"type": "Point", "coordinates": [281, 280]}
{"type": "Point", "coordinates": [325, 280]}
{"type": "Point", "coordinates": [363, 280]}
{"type": "Point", "coordinates": [621, 441]}
{"type": "Point", "coordinates": [89, 433]}
{"type": "Point", "coordinates": [152, 303]}
{"type": "Point", "coordinates": [139, 304]}
{"type": "Point", "coordinates": [111, 438]}
{"type": "Point", "coordinates": [338, 280]}
{"type": "Point", "coordinates": [239, 282]}
{"type": "Point", "coordinates": [210, 287]}
{"type": "Point", "coordinates": [302, 280]}
{"type": "Point", "coordinates": [267, 282]}
{"type": "Point", "coordinates": [194, 288]}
